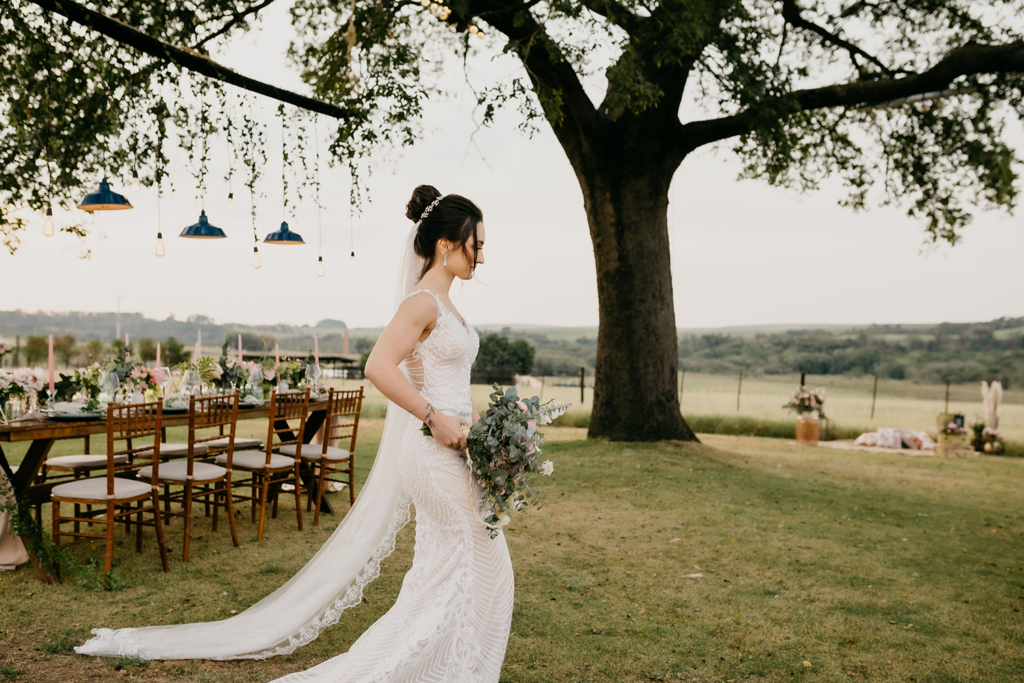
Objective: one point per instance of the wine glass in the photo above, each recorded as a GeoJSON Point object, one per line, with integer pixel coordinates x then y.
{"type": "Point", "coordinates": [191, 380]}
{"type": "Point", "coordinates": [254, 385]}
{"type": "Point", "coordinates": [313, 378]}
{"type": "Point", "coordinates": [111, 385]}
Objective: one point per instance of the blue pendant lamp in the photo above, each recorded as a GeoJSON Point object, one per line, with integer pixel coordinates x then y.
{"type": "Point", "coordinates": [283, 236]}
{"type": "Point", "coordinates": [104, 200]}
{"type": "Point", "coordinates": [203, 230]}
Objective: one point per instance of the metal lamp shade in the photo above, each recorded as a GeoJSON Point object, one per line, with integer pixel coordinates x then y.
{"type": "Point", "coordinates": [203, 230]}
{"type": "Point", "coordinates": [284, 236]}
{"type": "Point", "coordinates": [104, 200]}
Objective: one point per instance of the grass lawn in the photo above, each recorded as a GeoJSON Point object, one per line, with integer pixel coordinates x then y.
{"type": "Point", "coordinates": [816, 565]}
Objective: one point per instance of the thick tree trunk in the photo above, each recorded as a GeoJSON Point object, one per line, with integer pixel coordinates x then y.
{"type": "Point", "coordinates": [635, 389]}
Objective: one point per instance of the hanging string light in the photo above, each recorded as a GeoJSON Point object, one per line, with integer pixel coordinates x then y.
{"type": "Point", "coordinates": [443, 12]}
{"type": "Point", "coordinates": [319, 217]}
{"type": "Point", "coordinates": [48, 228]}
{"type": "Point", "coordinates": [159, 231]}
{"type": "Point", "coordinates": [136, 186]}
{"type": "Point", "coordinates": [352, 239]}
{"type": "Point", "coordinates": [231, 155]}
{"type": "Point", "coordinates": [48, 222]}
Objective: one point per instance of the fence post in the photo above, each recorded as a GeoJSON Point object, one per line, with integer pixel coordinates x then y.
{"type": "Point", "coordinates": [947, 397]}
{"type": "Point", "coordinates": [803, 378]}
{"type": "Point", "coordinates": [739, 388]}
{"type": "Point", "coordinates": [17, 350]}
{"type": "Point", "coordinates": [874, 393]}
{"type": "Point", "coordinates": [582, 376]}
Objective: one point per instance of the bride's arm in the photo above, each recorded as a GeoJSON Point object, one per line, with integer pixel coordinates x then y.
{"type": "Point", "coordinates": [414, 317]}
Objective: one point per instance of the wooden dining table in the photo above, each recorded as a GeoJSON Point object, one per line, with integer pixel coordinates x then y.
{"type": "Point", "coordinates": [44, 433]}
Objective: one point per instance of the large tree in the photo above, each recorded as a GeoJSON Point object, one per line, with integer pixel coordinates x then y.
{"type": "Point", "coordinates": [904, 100]}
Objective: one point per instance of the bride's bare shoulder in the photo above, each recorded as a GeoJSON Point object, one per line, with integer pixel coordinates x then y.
{"type": "Point", "coordinates": [419, 309]}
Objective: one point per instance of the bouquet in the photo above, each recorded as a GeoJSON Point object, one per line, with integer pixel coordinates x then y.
{"type": "Point", "coordinates": [503, 448]}
{"type": "Point", "coordinates": [20, 383]}
{"type": "Point", "coordinates": [5, 346]}
{"type": "Point", "coordinates": [805, 401]}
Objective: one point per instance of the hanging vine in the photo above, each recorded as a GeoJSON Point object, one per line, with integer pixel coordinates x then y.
{"type": "Point", "coordinates": [254, 157]}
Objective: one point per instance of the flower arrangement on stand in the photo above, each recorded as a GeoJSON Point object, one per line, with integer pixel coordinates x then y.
{"type": "Point", "coordinates": [808, 404]}
{"type": "Point", "coordinates": [504, 448]}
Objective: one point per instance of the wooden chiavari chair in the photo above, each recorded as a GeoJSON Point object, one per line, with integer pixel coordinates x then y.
{"type": "Point", "coordinates": [129, 424]}
{"type": "Point", "coordinates": [202, 480]}
{"type": "Point", "coordinates": [268, 467]}
{"type": "Point", "coordinates": [342, 424]}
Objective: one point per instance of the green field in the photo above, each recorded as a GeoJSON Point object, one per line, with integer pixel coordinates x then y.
{"type": "Point", "coordinates": [814, 566]}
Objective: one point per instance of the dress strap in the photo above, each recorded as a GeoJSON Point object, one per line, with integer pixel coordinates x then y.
{"type": "Point", "coordinates": [420, 291]}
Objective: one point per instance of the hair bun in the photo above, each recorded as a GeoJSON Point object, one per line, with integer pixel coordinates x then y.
{"type": "Point", "coordinates": [422, 197]}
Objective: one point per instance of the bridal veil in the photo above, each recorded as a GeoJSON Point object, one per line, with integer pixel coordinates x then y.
{"type": "Point", "coordinates": [331, 582]}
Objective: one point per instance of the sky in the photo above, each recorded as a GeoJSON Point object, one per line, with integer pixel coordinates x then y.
{"type": "Point", "coordinates": [743, 253]}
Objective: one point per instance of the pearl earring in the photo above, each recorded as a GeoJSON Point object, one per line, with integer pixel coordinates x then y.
{"type": "Point", "coordinates": [445, 262]}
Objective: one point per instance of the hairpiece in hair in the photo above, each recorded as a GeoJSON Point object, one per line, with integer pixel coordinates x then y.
{"type": "Point", "coordinates": [426, 211]}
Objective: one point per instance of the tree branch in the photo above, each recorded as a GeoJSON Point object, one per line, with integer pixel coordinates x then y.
{"type": "Point", "coordinates": [134, 38]}
{"type": "Point", "coordinates": [968, 60]}
{"type": "Point", "coordinates": [547, 69]}
{"type": "Point", "coordinates": [791, 13]}
{"type": "Point", "coordinates": [615, 13]}
{"type": "Point", "coordinates": [236, 19]}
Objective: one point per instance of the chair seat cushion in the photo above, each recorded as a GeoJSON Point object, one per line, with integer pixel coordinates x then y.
{"type": "Point", "coordinates": [84, 462]}
{"type": "Point", "coordinates": [256, 460]}
{"type": "Point", "coordinates": [315, 451]}
{"type": "Point", "coordinates": [178, 471]}
{"type": "Point", "coordinates": [240, 443]}
{"type": "Point", "coordinates": [174, 450]}
{"type": "Point", "coordinates": [96, 489]}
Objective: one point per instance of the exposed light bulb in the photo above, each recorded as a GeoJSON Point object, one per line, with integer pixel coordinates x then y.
{"type": "Point", "coordinates": [231, 200]}
{"type": "Point", "coordinates": [135, 181]}
{"type": "Point", "coordinates": [256, 263]}
{"type": "Point", "coordinates": [320, 266]}
{"type": "Point", "coordinates": [48, 222]}
{"type": "Point", "coordinates": [160, 244]}
{"type": "Point", "coordinates": [352, 260]}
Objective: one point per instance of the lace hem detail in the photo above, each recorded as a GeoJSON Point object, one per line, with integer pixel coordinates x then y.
{"type": "Point", "coordinates": [104, 641]}
{"type": "Point", "coordinates": [353, 594]}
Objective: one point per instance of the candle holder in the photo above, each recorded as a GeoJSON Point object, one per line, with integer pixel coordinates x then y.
{"type": "Point", "coordinates": [49, 410]}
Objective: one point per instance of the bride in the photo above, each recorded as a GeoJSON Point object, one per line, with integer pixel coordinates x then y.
{"type": "Point", "coordinates": [452, 617]}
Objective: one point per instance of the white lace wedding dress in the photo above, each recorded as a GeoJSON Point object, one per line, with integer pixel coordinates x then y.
{"type": "Point", "coordinates": [452, 618]}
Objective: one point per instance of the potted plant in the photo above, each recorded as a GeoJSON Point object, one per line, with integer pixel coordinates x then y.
{"type": "Point", "coordinates": [808, 404]}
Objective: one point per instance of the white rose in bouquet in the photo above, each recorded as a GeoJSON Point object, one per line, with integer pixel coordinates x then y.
{"type": "Point", "coordinates": [547, 467]}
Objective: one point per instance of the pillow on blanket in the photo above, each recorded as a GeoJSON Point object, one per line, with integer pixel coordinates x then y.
{"type": "Point", "coordinates": [867, 439]}
{"type": "Point", "coordinates": [890, 437]}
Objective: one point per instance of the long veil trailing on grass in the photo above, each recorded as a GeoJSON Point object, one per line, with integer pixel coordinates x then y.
{"type": "Point", "coordinates": [331, 582]}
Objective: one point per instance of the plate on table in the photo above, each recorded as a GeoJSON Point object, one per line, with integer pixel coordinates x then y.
{"type": "Point", "coordinates": [176, 410]}
{"type": "Point", "coordinates": [77, 417]}
{"type": "Point", "coordinates": [248, 402]}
